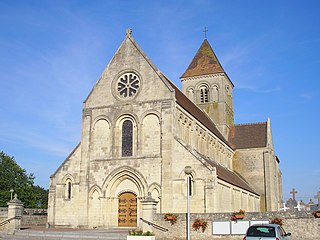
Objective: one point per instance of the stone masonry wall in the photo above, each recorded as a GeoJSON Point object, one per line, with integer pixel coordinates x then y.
{"type": "Point", "coordinates": [30, 217]}
{"type": "Point", "coordinates": [3, 216]}
{"type": "Point", "coordinates": [3, 212]}
{"type": "Point", "coordinates": [26, 211]}
{"type": "Point", "coordinates": [33, 220]}
{"type": "Point", "coordinates": [302, 225]}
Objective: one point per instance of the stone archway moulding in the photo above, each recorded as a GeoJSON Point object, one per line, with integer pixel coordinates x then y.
{"type": "Point", "coordinates": [93, 189]}
{"type": "Point", "coordinates": [120, 174]}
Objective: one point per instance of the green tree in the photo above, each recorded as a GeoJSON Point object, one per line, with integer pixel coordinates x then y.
{"type": "Point", "coordinates": [40, 197]}
{"type": "Point", "coordinates": [12, 176]}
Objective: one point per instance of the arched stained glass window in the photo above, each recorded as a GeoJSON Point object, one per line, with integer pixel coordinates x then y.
{"type": "Point", "coordinates": [127, 138]}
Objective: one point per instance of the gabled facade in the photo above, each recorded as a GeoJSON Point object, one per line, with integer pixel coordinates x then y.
{"type": "Point", "coordinates": [139, 132]}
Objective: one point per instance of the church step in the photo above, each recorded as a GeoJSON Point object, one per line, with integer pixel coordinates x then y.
{"type": "Point", "coordinates": [110, 234]}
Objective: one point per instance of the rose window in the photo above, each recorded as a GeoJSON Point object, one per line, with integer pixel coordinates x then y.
{"type": "Point", "coordinates": [128, 85]}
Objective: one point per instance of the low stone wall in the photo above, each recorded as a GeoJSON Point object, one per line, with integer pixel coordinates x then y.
{"type": "Point", "coordinates": [3, 212]}
{"type": "Point", "coordinates": [302, 225]}
{"type": "Point", "coordinates": [28, 220]}
{"type": "Point", "coordinates": [3, 216]}
{"type": "Point", "coordinates": [33, 220]}
{"type": "Point", "coordinates": [15, 216]}
{"type": "Point", "coordinates": [26, 211]}
{"type": "Point", "coordinates": [2, 219]}
{"type": "Point", "coordinates": [34, 211]}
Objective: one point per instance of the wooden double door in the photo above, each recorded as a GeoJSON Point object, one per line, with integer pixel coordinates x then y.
{"type": "Point", "coordinates": [127, 212]}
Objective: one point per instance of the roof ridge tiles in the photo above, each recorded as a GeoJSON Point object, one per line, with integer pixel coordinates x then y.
{"type": "Point", "coordinates": [245, 124]}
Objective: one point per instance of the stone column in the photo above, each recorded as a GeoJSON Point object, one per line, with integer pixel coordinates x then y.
{"type": "Point", "coordinates": [149, 208]}
{"type": "Point", "coordinates": [211, 196]}
{"type": "Point", "coordinates": [15, 211]}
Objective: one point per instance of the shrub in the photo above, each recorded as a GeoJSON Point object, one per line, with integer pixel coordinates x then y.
{"type": "Point", "coordinates": [140, 233]}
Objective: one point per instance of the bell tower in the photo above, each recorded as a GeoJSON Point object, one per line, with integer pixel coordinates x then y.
{"type": "Point", "coordinates": [209, 87]}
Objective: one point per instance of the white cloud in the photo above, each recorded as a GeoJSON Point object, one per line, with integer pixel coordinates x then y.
{"type": "Point", "coordinates": [306, 95]}
{"type": "Point", "coordinates": [34, 140]}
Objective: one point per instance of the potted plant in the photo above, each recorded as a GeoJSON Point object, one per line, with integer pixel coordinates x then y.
{"type": "Point", "coordinates": [170, 217]}
{"type": "Point", "coordinates": [316, 214]}
{"type": "Point", "coordinates": [140, 235]}
{"type": "Point", "coordinates": [277, 220]}
{"type": "Point", "coordinates": [199, 223]}
{"type": "Point", "coordinates": [238, 215]}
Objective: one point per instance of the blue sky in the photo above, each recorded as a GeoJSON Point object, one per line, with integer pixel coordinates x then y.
{"type": "Point", "coordinates": [53, 52]}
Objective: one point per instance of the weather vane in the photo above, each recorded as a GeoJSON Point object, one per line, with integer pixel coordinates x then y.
{"type": "Point", "coordinates": [205, 32]}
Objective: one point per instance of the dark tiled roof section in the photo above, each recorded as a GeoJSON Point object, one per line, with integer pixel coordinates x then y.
{"type": "Point", "coordinates": [196, 112]}
{"type": "Point", "coordinates": [229, 176]}
{"type": "Point", "coordinates": [204, 62]}
{"type": "Point", "coordinates": [253, 135]}
{"type": "Point", "coordinates": [233, 178]}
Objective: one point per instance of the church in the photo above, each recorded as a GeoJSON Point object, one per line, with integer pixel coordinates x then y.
{"type": "Point", "coordinates": [140, 134]}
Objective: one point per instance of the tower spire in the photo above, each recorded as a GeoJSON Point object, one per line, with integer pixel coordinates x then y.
{"type": "Point", "coordinates": [204, 62]}
{"type": "Point", "coordinates": [209, 87]}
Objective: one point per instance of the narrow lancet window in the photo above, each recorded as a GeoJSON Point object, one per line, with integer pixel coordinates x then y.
{"type": "Point", "coordinates": [69, 190]}
{"type": "Point", "coordinates": [127, 138]}
{"type": "Point", "coordinates": [190, 186]}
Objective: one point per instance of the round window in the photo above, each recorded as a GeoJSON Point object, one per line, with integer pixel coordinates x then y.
{"type": "Point", "coordinates": [127, 85]}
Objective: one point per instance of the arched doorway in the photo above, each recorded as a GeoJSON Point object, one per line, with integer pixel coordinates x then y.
{"type": "Point", "coordinates": [127, 212]}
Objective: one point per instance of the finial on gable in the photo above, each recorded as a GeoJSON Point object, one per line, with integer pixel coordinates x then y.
{"type": "Point", "coordinates": [205, 32]}
{"type": "Point", "coordinates": [128, 31]}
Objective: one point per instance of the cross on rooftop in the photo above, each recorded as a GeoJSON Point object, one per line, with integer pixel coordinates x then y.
{"type": "Point", "coordinates": [318, 197]}
{"type": "Point", "coordinates": [293, 192]}
{"type": "Point", "coordinates": [205, 32]}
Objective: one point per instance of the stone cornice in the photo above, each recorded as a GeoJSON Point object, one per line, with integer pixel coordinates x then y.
{"type": "Point", "coordinates": [203, 77]}
{"type": "Point", "coordinates": [195, 78]}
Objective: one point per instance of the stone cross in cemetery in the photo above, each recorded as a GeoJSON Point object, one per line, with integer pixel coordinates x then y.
{"type": "Point", "coordinates": [299, 207]}
{"type": "Point", "coordinates": [284, 207]}
{"type": "Point", "coordinates": [318, 197]}
{"type": "Point", "coordinates": [293, 192]}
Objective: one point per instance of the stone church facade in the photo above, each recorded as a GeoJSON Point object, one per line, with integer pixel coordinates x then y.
{"type": "Point", "coordinates": [139, 132]}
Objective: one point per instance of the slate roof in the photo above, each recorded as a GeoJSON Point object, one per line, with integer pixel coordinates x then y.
{"type": "Point", "coordinates": [204, 62]}
{"type": "Point", "coordinates": [229, 176]}
{"type": "Point", "coordinates": [233, 178]}
{"type": "Point", "coordinates": [252, 135]}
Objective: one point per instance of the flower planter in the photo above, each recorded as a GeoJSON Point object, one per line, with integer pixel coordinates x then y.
{"type": "Point", "coordinates": [317, 215]}
{"type": "Point", "coordinates": [199, 224]}
{"type": "Point", "coordinates": [141, 237]}
{"type": "Point", "coordinates": [169, 217]}
{"type": "Point", "coordinates": [239, 216]}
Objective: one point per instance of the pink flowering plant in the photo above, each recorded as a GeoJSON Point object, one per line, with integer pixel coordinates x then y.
{"type": "Point", "coordinates": [277, 220]}
{"type": "Point", "coordinates": [170, 217]}
{"type": "Point", "coordinates": [199, 224]}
